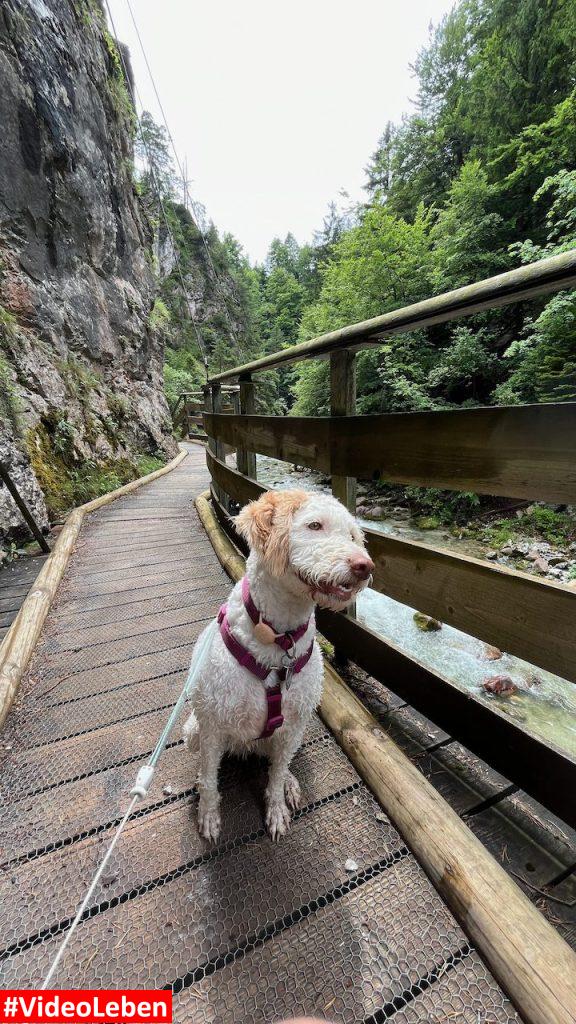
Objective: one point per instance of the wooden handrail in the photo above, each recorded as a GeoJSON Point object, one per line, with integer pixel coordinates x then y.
{"type": "Point", "coordinates": [517, 451]}
{"type": "Point", "coordinates": [551, 274]}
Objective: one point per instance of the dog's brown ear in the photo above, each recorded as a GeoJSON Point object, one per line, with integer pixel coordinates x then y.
{"type": "Point", "coordinates": [254, 521]}
{"type": "Point", "coordinates": [265, 524]}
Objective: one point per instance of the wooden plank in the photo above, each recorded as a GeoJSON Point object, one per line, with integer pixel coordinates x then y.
{"type": "Point", "coordinates": [113, 676]}
{"type": "Point", "coordinates": [465, 781]}
{"type": "Point", "coordinates": [548, 275]}
{"type": "Point", "coordinates": [87, 804]}
{"type": "Point", "coordinates": [343, 403]}
{"type": "Point", "coordinates": [521, 855]}
{"type": "Point", "coordinates": [521, 451]}
{"type": "Point", "coordinates": [535, 967]}
{"type": "Point", "coordinates": [112, 584]}
{"type": "Point", "coordinates": [238, 486]}
{"type": "Point", "coordinates": [115, 654]}
{"type": "Point", "coordinates": [77, 606]}
{"type": "Point", "coordinates": [53, 764]}
{"type": "Point", "coordinates": [65, 646]}
{"type": "Point", "coordinates": [464, 994]}
{"type": "Point", "coordinates": [545, 773]}
{"type": "Point", "coordinates": [523, 615]}
{"type": "Point", "coordinates": [517, 452]}
{"type": "Point", "coordinates": [303, 440]}
{"type": "Point", "coordinates": [58, 636]}
{"type": "Point", "coordinates": [48, 724]}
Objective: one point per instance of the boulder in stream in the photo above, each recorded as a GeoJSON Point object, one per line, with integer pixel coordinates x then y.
{"type": "Point", "coordinates": [427, 623]}
{"type": "Point", "coordinates": [492, 653]}
{"type": "Point", "coordinates": [502, 685]}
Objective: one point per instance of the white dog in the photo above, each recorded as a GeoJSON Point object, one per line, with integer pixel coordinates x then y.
{"type": "Point", "coordinates": [262, 676]}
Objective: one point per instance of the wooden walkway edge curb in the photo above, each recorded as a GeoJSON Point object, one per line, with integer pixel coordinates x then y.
{"type": "Point", "coordinates": [18, 644]}
{"type": "Point", "coordinates": [530, 960]}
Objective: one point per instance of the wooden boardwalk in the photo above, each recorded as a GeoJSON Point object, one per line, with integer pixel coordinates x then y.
{"type": "Point", "coordinates": [337, 920]}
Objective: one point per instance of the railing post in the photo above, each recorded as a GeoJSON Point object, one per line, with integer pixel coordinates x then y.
{"type": "Point", "coordinates": [219, 449]}
{"type": "Point", "coordinates": [212, 403]}
{"type": "Point", "coordinates": [245, 460]}
{"type": "Point", "coordinates": [343, 403]}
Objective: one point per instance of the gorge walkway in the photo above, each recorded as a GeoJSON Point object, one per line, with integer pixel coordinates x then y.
{"type": "Point", "coordinates": [338, 919]}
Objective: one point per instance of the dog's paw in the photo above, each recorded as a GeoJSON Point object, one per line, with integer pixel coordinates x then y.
{"type": "Point", "coordinates": [292, 792]}
{"type": "Point", "coordinates": [209, 823]}
{"type": "Point", "coordinates": [277, 820]}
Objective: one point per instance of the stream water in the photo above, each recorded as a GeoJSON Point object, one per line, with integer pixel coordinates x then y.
{"type": "Point", "coordinates": [543, 703]}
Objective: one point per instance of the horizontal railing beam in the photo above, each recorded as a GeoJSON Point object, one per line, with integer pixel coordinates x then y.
{"type": "Point", "coordinates": [548, 275]}
{"type": "Point", "coordinates": [241, 488]}
{"type": "Point", "coordinates": [302, 440]}
{"type": "Point", "coordinates": [525, 616]}
{"type": "Point", "coordinates": [515, 452]}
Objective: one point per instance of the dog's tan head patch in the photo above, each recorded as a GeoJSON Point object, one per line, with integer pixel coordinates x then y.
{"type": "Point", "coordinates": [265, 524]}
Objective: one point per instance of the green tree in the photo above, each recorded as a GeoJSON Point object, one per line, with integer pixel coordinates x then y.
{"type": "Point", "coordinates": [469, 234]}
{"type": "Point", "coordinates": [542, 360]}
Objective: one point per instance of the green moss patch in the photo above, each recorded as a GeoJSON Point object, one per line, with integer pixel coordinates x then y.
{"type": "Point", "coordinates": [66, 483]}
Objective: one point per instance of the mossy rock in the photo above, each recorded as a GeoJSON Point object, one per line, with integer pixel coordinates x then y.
{"type": "Point", "coordinates": [66, 484]}
{"type": "Point", "coordinates": [428, 522]}
{"type": "Point", "coordinates": [50, 470]}
{"type": "Point", "coordinates": [427, 623]}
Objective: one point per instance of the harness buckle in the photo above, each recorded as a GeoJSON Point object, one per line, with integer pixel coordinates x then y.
{"type": "Point", "coordinates": [287, 661]}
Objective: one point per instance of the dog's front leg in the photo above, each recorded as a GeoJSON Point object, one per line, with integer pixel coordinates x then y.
{"type": "Point", "coordinates": [283, 788]}
{"type": "Point", "coordinates": [211, 751]}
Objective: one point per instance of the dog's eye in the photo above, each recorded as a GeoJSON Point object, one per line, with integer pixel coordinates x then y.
{"type": "Point", "coordinates": [314, 526]}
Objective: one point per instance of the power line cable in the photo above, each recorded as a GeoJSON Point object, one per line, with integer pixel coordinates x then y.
{"type": "Point", "coordinates": [135, 98]}
{"type": "Point", "coordinates": [183, 177]}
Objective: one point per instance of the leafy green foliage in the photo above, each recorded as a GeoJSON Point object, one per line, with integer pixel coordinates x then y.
{"type": "Point", "coordinates": [555, 528]}
{"type": "Point", "coordinates": [67, 481]}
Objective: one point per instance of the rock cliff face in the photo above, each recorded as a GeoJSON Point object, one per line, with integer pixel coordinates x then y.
{"type": "Point", "coordinates": [80, 359]}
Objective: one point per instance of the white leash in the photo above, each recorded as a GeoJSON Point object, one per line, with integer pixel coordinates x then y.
{"type": "Point", "coordinates": [138, 791]}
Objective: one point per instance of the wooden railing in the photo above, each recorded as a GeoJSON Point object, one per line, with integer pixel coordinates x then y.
{"type": "Point", "coordinates": [187, 411]}
{"type": "Point", "coordinates": [518, 452]}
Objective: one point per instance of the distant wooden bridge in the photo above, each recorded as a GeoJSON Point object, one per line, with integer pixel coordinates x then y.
{"type": "Point", "coordinates": [420, 881]}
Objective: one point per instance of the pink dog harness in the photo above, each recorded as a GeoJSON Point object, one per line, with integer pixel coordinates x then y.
{"type": "Point", "coordinates": [287, 641]}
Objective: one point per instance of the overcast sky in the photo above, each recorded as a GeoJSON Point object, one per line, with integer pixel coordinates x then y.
{"type": "Point", "coordinates": [276, 106]}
